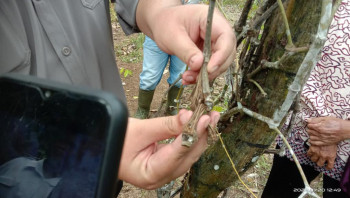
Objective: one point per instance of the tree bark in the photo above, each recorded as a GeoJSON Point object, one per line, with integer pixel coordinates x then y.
{"type": "Point", "coordinates": [246, 138]}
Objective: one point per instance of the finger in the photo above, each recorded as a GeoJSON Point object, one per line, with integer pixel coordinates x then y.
{"type": "Point", "coordinates": [317, 143]}
{"type": "Point", "coordinates": [157, 128]}
{"type": "Point", "coordinates": [214, 117]}
{"type": "Point", "coordinates": [222, 68]}
{"type": "Point", "coordinates": [330, 164]}
{"type": "Point", "coordinates": [309, 153]}
{"type": "Point", "coordinates": [176, 157]}
{"type": "Point", "coordinates": [312, 132]}
{"type": "Point", "coordinates": [222, 51]}
{"type": "Point", "coordinates": [320, 162]}
{"type": "Point", "coordinates": [196, 150]}
{"type": "Point", "coordinates": [314, 138]}
{"type": "Point", "coordinates": [189, 77]}
{"type": "Point", "coordinates": [314, 126]}
{"type": "Point", "coordinates": [201, 131]}
{"type": "Point", "coordinates": [221, 58]}
{"type": "Point", "coordinates": [314, 120]}
{"type": "Point", "coordinates": [314, 158]}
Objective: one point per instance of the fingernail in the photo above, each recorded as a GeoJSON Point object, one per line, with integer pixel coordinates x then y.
{"type": "Point", "coordinates": [189, 78]}
{"type": "Point", "coordinates": [213, 69]}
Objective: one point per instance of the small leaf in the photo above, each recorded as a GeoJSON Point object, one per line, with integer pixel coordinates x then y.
{"type": "Point", "coordinates": [121, 70]}
{"type": "Point", "coordinates": [218, 109]}
{"type": "Point", "coordinates": [127, 72]}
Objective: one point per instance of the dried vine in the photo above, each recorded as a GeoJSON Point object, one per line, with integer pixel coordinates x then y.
{"type": "Point", "coordinates": [201, 102]}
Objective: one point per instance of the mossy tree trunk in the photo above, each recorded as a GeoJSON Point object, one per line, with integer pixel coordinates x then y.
{"type": "Point", "coordinates": [246, 138]}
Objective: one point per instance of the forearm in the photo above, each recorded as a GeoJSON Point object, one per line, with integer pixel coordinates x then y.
{"type": "Point", "coordinates": [147, 11]}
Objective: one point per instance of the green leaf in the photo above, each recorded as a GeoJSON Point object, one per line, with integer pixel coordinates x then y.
{"type": "Point", "coordinates": [121, 70]}
{"type": "Point", "coordinates": [218, 109]}
{"type": "Point", "coordinates": [127, 72]}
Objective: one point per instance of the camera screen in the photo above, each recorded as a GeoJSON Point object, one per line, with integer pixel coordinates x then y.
{"type": "Point", "coordinates": [52, 143]}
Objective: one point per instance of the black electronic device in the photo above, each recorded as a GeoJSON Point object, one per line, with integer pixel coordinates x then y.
{"type": "Point", "coordinates": [57, 140]}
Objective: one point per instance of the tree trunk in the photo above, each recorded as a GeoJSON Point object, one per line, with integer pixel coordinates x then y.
{"type": "Point", "coordinates": [246, 138]}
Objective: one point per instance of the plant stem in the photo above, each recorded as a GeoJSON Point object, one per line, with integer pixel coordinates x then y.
{"type": "Point", "coordinates": [207, 54]}
{"type": "Point", "coordinates": [285, 20]}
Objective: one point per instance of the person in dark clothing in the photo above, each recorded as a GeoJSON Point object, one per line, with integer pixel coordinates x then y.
{"type": "Point", "coordinates": [70, 41]}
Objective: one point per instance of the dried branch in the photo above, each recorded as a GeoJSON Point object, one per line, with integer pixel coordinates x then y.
{"type": "Point", "coordinates": [229, 114]}
{"type": "Point", "coordinates": [176, 191]}
{"type": "Point", "coordinates": [272, 65]}
{"type": "Point", "coordinates": [257, 22]}
{"type": "Point", "coordinates": [207, 54]}
{"type": "Point", "coordinates": [220, 98]}
{"type": "Point", "coordinates": [201, 96]}
{"type": "Point", "coordinates": [244, 16]}
{"type": "Point", "coordinates": [165, 191]}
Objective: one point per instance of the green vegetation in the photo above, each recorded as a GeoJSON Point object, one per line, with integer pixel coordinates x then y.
{"type": "Point", "coordinates": [125, 72]}
{"type": "Point", "coordinates": [112, 13]}
{"type": "Point", "coordinates": [131, 50]}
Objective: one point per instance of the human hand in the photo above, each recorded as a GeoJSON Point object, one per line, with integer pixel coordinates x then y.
{"type": "Point", "coordinates": [323, 154]}
{"type": "Point", "coordinates": [327, 130]}
{"type": "Point", "coordinates": [180, 30]}
{"type": "Point", "coordinates": [149, 165]}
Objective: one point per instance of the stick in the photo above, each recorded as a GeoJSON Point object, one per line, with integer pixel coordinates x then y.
{"type": "Point", "coordinates": [201, 97]}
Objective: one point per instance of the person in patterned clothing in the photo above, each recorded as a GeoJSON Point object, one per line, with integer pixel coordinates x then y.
{"type": "Point", "coordinates": [320, 134]}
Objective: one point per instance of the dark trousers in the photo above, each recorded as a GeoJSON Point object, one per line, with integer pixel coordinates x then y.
{"type": "Point", "coordinates": [285, 181]}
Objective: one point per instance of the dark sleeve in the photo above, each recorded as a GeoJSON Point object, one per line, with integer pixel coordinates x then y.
{"type": "Point", "coordinates": [126, 12]}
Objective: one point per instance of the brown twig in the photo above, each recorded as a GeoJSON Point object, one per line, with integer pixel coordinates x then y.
{"type": "Point", "coordinates": [221, 97]}
{"type": "Point", "coordinates": [244, 16]}
{"type": "Point", "coordinates": [256, 23]}
{"type": "Point", "coordinates": [201, 96]}
{"type": "Point", "coordinates": [229, 114]}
